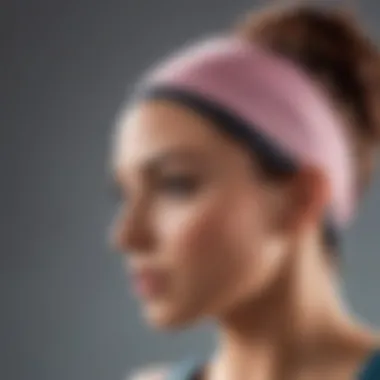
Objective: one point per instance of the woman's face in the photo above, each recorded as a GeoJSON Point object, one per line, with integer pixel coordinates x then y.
{"type": "Point", "coordinates": [198, 224]}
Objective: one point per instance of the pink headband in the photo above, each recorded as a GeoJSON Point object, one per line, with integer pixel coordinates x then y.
{"type": "Point", "coordinates": [274, 96]}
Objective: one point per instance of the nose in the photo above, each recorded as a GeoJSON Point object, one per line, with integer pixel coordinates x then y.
{"type": "Point", "coordinates": [131, 232]}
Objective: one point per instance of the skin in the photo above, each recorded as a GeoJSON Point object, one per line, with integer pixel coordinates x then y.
{"type": "Point", "coordinates": [223, 240]}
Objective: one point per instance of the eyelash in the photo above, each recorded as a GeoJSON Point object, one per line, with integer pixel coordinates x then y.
{"type": "Point", "coordinates": [175, 185]}
{"type": "Point", "coordinates": [179, 186]}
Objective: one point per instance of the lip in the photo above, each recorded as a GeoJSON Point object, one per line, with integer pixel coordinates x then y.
{"type": "Point", "coordinates": [148, 283]}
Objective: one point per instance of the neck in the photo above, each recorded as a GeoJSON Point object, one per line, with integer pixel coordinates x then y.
{"type": "Point", "coordinates": [299, 324]}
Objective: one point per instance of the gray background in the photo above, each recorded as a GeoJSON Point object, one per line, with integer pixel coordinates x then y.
{"type": "Point", "coordinates": [64, 71]}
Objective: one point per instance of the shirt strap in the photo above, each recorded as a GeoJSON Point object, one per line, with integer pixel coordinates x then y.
{"type": "Point", "coordinates": [371, 368]}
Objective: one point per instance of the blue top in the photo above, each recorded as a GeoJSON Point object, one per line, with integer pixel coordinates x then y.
{"type": "Point", "coordinates": [371, 369]}
{"type": "Point", "coordinates": [187, 370]}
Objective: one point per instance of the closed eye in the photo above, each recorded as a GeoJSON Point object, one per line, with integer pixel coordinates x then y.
{"type": "Point", "coordinates": [179, 185]}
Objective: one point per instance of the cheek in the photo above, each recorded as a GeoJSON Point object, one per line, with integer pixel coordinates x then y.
{"type": "Point", "coordinates": [212, 247]}
{"type": "Point", "coordinates": [198, 230]}
{"type": "Point", "coordinates": [188, 246]}
{"type": "Point", "coordinates": [189, 238]}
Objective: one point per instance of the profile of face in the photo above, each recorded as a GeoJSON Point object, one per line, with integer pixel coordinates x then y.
{"type": "Point", "coordinates": [200, 226]}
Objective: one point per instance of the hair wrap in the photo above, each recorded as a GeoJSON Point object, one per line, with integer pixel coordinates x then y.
{"type": "Point", "coordinates": [273, 97]}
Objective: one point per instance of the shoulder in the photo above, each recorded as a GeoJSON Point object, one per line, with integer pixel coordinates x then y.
{"type": "Point", "coordinates": [153, 372]}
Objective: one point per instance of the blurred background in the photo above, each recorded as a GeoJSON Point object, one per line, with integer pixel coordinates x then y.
{"type": "Point", "coordinates": [65, 69]}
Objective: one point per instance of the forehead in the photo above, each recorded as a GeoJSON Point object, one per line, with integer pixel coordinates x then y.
{"type": "Point", "coordinates": [157, 127]}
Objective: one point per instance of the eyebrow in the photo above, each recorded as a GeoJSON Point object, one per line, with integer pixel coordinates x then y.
{"type": "Point", "coordinates": [157, 160]}
{"type": "Point", "coordinates": [180, 154]}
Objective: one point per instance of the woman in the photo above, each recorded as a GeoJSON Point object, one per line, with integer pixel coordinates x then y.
{"type": "Point", "coordinates": [240, 162]}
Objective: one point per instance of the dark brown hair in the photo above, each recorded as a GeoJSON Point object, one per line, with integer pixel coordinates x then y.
{"type": "Point", "coordinates": [331, 46]}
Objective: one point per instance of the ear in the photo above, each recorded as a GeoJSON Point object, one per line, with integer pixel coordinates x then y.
{"type": "Point", "coordinates": [308, 194]}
